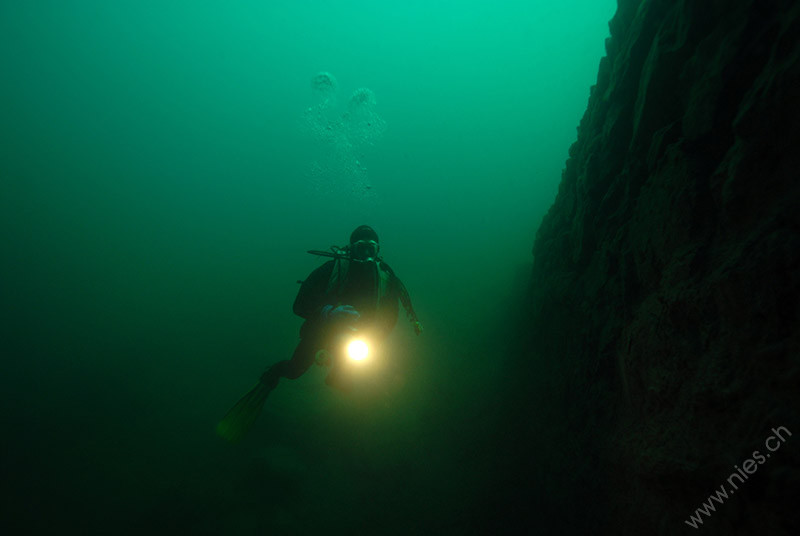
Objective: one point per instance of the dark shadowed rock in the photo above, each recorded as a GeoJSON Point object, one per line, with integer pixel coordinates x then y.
{"type": "Point", "coordinates": [663, 331]}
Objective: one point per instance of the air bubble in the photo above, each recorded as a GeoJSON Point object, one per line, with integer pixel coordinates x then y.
{"type": "Point", "coordinates": [336, 165]}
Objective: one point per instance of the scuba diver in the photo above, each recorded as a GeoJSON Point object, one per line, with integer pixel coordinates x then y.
{"type": "Point", "coordinates": [355, 290]}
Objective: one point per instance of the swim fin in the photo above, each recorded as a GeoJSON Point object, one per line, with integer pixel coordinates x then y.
{"type": "Point", "coordinates": [236, 423]}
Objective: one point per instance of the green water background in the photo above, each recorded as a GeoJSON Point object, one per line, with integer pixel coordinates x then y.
{"type": "Point", "coordinates": [160, 184]}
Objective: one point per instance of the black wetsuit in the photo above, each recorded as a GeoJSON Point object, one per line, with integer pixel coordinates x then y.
{"type": "Point", "coordinates": [361, 288]}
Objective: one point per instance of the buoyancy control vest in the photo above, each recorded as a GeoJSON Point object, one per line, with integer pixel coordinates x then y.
{"type": "Point", "coordinates": [338, 279]}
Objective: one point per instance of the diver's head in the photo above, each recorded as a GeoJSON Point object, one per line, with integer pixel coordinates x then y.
{"type": "Point", "coordinates": [364, 246]}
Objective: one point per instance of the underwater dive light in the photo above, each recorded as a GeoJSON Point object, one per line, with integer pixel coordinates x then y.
{"type": "Point", "coordinates": [357, 350]}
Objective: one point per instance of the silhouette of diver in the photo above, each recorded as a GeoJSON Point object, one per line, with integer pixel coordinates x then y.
{"type": "Point", "coordinates": [356, 285]}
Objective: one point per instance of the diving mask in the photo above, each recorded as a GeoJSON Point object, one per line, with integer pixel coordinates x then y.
{"type": "Point", "coordinates": [364, 250]}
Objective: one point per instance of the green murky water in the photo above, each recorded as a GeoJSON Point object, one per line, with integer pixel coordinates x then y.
{"type": "Point", "coordinates": [165, 166]}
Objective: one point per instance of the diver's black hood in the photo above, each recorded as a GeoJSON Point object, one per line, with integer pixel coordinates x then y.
{"type": "Point", "coordinates": [363, 232]}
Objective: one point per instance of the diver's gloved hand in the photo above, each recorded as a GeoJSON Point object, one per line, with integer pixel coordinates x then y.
{"type": "Point", "coordinates": [345, 313]}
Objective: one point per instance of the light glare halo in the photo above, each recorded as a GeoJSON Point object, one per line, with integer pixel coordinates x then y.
{"type": "Point", "coordinates": [357, 350]}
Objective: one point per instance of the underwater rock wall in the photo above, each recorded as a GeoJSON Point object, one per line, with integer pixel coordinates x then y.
{"type": "Point", "coordinates": [664, 315]}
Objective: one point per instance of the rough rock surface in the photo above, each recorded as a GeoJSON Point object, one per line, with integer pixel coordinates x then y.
{"type": "Point", "coordinates": [663, 338]}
